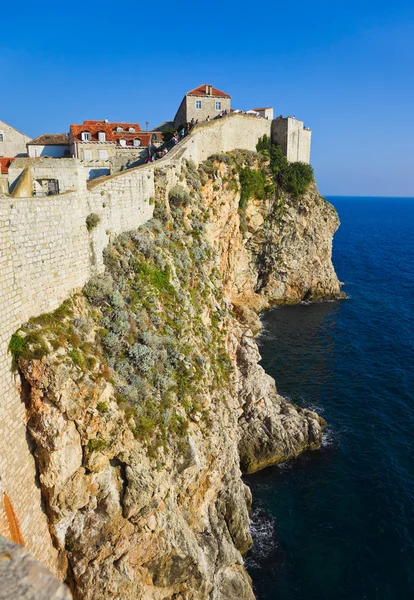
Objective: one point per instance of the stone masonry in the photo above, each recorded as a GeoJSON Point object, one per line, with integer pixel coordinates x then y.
{"type": "Point", "coordinates": [12, 142]}
{"type": "Point", "coordinates": [293, 137]}
{"type": "Point", "coordinates": [46, 253]}
{"type": "Point", "coordinates": [202, 102]}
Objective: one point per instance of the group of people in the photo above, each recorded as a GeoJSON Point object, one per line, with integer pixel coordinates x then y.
{"type": "Point", "coordinates": [153, 156]}
{"type": "Point", "coordinates": [178, 135]}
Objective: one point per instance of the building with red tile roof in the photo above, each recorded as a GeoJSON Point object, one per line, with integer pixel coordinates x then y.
{"type": "Point", "coordinates": [207, 90]}
{"type": "Point", "coordinates": [100, 143]}
{"type": "Point", "coordinates": [201, 103]}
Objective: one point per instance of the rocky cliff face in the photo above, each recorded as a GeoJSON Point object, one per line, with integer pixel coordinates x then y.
{"type": "Point", "coordinates": [144, 394]}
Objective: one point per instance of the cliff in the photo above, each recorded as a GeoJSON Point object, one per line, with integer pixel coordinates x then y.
{"type": "Point", "coordinates": [144, 395]}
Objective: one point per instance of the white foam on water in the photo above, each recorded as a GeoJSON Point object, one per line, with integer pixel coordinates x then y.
{"type": "Point", "coordinates": [263, 530]}
{"type": "Point", "coordinates": [328, 438]}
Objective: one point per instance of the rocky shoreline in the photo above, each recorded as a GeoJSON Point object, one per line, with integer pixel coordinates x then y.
{"type": "Point", "coordinates": [144, 396]}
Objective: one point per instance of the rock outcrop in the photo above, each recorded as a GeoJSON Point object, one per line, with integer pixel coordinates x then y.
{"type": "Point", "coordinates": [144, 395]}
{"type": "Point", "coordinates": [23, 578]}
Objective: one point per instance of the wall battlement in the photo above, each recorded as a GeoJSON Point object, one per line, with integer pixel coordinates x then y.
{"type": "Point", "coordinates": [46, 253]}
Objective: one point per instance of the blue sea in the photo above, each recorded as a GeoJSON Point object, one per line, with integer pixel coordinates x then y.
{"type": "Point", "coordinates": [338, 523]}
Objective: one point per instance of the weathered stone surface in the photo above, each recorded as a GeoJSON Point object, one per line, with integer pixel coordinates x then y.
{"type": "Point", "coordinates": [23, 578]}
{"type": "Point", "coordinates": [174, 523]}
{"type": "Point", "coordinates": [271, 429]}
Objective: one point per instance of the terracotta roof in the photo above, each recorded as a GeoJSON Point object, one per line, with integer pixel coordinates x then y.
{"type": "Point", "coordinates": [111, 133]}
{"type": "Point", "coordinates": [5, 164]}
{"type": "Point", "coordinates": [266, 108]}
{"type": "Point", "coordinates": [51, 139]}
{"type": "Point", "coordinates": [202, 91]}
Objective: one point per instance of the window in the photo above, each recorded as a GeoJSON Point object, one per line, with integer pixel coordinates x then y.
{"type": "Point", "coordinates": [1, 136]}
{"type": "Point", "coordinates": [198, 103]}
{"type": "Point", "coordinates": [218, 105]}
{"type": "Point", "coordinates": [103, 155]}
{"type": "Point", "coordinates": [131, 130]}
{"type": "Point", "coordinates": [85, 136]}
{"type": "Point", "coordinates": [122, 142]}
{"type": "Point", "coordinates": [137, 142]}
{"type": "Point", "coordinates": [119, 129]}
{"type": "Point", "coordinates": [87, 155]}
{"type": "Point", "coordinates": [101, 136]}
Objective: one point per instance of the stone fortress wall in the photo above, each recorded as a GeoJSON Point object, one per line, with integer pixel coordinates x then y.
{"type": "Point", "coordinates": [46, 253]}
{"type": "Point", "coordinates": [293, 137]}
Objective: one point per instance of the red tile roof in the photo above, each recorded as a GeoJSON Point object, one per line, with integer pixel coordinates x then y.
{"type": "Point", "coordinates": [267, 108]}
{"type": "Point", "coordinates": [5, 164]}
{"type": "Point", "coordinates": [110, 130]}
{"type": "Point", "coordinates": [202, 91]}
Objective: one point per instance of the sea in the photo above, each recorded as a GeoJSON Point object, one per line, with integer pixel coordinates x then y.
{"type": "Point", "coordinates": [338, 523]}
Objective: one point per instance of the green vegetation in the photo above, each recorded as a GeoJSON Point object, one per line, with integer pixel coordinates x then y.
{"type": "Point", "coordinates": [78, 358]}
{"type": "Point", "coordinates": [168, 133]}
{"type": "Point", "coordinates": [179, 196]}
{"type": "Point", "coordinates": [92, 221]}
{"type": "Point", "coordinates": [149, 306]}
{"type": "Point", "coordinates": [293, 178]}
{"type": "Point", "coordinates": [97, 445]}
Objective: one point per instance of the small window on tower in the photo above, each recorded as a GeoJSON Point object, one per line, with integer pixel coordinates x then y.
{"type": "Point", "coordinates": [218, 105]}
{"type": "Point", "coordinates": [1, 136]}
{"type": "Point", "coordinates": [198, 103]}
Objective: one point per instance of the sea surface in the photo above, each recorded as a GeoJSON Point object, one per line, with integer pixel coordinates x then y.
{"type": "Point", "coordinates": [338, 523]}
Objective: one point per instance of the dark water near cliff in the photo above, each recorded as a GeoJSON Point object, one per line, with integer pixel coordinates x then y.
{"type": "Point", "coordinates": [338, 523]}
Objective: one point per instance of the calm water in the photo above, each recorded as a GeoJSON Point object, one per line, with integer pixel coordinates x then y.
{"type": "Point", "coordinates": [338, 523]}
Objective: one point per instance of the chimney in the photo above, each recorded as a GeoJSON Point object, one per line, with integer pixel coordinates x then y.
{"type": "Point", "coordinates": [209, 89]}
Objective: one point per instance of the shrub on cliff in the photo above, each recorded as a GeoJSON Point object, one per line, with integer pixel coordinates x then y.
{"type": "Point", "coordinates": [179, 196]}
{"type": "Point", "coordinates": [294, 178]}
{"type": "Point", "coordinates": [263, 144]}
{"type": "Point", "coordinates": [252, 185]}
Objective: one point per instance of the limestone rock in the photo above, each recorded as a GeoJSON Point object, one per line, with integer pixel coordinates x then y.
{"type": "Point", "coordinates": [23, 578]}
{"type": "Point", "coordinates": [172, 522]}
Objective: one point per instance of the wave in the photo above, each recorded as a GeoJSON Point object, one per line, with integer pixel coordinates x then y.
{"type": "Point", "coordinates": [265, 544]}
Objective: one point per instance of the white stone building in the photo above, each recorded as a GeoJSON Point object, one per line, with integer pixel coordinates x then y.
{"type": "Point", "coordinates": [200, 103]}
{"type": "Point", "coordinates": [12, 142]}
{"type": "Point", "coordinates": [265, 113]}
{"type": "Point", "coordinates": [55, 145]}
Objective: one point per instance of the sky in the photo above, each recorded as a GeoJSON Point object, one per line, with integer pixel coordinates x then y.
{"type": "Point", "coordinates": [345, 68]}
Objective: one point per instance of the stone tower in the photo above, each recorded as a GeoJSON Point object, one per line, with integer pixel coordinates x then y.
{"type": "Point", "coordinates": [293, 138]}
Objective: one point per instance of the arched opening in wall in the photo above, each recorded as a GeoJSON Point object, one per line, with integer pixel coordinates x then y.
{"type": "Point", "coordinates": [10, 525]}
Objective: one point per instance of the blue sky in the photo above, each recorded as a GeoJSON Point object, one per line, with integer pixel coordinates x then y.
{"type": "Point", "coordinates": [345, 68]}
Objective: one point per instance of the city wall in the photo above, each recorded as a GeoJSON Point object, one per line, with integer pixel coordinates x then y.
{"type": "Point", "coordinates": [46, 253]}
